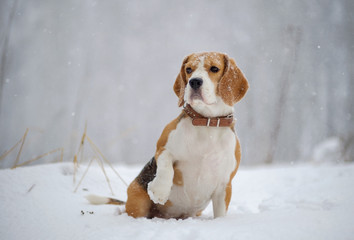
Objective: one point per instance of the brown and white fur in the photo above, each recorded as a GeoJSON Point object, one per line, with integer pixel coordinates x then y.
{"type": "Point", "coordinates": [193, 165]}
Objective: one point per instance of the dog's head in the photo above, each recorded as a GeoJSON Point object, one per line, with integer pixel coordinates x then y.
{"type": "Point", "coordinates": [210, 79]}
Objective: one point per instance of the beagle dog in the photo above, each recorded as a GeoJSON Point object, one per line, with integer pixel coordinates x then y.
{"type": "Point", "coordinates": [198, 153]}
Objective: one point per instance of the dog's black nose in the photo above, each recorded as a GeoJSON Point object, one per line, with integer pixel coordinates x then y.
{"type": "Point", "coordinates": [195, 83]}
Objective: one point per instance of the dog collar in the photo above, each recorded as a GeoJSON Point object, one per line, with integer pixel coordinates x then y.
{"type": "Point", "coordinates": [200, 120]}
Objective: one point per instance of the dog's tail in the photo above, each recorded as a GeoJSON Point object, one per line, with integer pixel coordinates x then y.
{"type": "Point", "coordinates": [98, 200]}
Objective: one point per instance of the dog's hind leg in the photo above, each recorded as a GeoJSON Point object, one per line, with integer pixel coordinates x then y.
{"type": "Point", "coordinates": [138, 203]}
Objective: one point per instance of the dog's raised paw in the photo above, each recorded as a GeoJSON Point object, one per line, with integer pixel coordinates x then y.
{"type": "Point", "coordinates": [158, 192]}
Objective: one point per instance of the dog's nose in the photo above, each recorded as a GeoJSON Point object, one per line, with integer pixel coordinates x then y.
{"type": "Point", "coordinates": [195, 83]}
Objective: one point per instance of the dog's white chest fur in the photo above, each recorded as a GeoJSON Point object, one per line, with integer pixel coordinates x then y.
{"type": "Point", "coordinates": [206, 157]}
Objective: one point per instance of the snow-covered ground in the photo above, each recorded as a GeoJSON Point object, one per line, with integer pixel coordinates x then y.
{"type": "Point", "coordinates": [293, 202]}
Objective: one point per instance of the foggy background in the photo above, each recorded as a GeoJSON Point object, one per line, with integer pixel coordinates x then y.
{"type": "Point", "coordinates": [113, 64]}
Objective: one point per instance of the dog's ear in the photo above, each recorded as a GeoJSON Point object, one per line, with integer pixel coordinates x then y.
{"type": "Point", "coordinates": [233, 85]}
{"type": "Point", "coordinates": [180, 83]}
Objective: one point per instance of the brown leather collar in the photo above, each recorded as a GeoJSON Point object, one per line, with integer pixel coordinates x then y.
{"type": "Point", "coordinates": [200, 120]}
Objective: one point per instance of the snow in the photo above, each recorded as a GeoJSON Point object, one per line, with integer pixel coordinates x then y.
{"type": "Point", "coordinates": [329, 150]}
{"type": "Point", "coordinates": [282, 202]}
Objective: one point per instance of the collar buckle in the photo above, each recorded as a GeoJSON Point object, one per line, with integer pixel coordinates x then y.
{"type": "Point", "coordinates": [208, 123]}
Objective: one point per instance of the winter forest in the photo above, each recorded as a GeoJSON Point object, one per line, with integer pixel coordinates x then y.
{"type": "Point", "coordinates": [112, 65]}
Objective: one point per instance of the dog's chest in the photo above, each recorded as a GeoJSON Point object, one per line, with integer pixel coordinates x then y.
{"type": "Point", "coordinates": [205, 157]}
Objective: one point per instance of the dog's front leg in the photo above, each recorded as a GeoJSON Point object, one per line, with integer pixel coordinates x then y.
{"type": "Point", "coordinates": [159, 189]}
{"type": "Point", "coordinates": [219, 204]}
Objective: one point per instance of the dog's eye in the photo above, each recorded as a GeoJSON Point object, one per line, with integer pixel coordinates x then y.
{"type": "Point", "coordinates": [214, 69]}
{"type": "Point", "coordinates": [188, 70]}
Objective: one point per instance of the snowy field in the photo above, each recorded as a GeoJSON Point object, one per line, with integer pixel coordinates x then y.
{"type": "Point", "coordinates": [292, 202]}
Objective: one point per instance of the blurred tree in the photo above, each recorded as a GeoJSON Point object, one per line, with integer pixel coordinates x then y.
{"type": "Point", "coordinates": [6, 35]}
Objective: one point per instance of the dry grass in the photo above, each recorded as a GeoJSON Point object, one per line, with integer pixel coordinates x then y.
{"type": "Point", "coordinates": [41, 156]}
{"type": "Point", "coordinates": [98, 157]}
{"type": "Point", "coordinates": [22, 142]}
{"type": "Point", "coordinates": [100, 163]}
{"type": "Point", "coordinates": [80, 152]}
{"type": "Point", "coordinates": [11, 149]}
{"type": "Point", "coordinates": [97, 150]}
{"type": "Point", "coordinates": [19, 152]}
{"type": "Point", "coordinates": [84, 175]}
